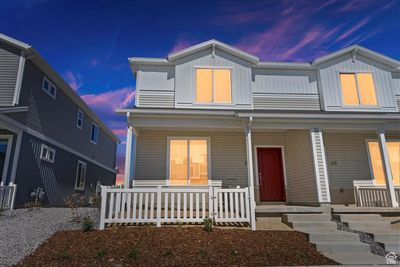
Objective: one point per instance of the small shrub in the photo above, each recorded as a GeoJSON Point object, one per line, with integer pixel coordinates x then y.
{"type": "Point", "coordinates": [100, 254]}
{"type": "Point", "coordinates": [303, 255]}
{"type": "Point", "coordinates": [168, 253]}
{"type": "Point", "coordinates": [62, 255]}
{"type": "Point", "coordinates": [133, 253]}
{"type": "Point", "coordinates": [233, 253]}
{"type": "Point", "coordinates": [88, 224]}
{"type": "Point", "coordinates": [208, 224]}
{"type": "Point", "coordinates": [202, 253]}
{"type": "Point", "coordinates": [75, 202]}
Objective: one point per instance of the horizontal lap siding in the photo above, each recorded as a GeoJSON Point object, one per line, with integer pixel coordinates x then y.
{"type": "Point", "coordinates": [287, 102]}
{"type": "Point", "coordinates": [300, 168]}
{"type": "Point", "coordinates": [9, 64]}
{"type": "Point", "coordinates": [156, 99]}
{"type": "Point", "coordinates": [228, 155]}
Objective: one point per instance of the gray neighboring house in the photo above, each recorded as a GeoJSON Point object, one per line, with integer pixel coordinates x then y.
{"type": "Point", "coordinates": [294, 133]}
{"type": "Point", "coordinates": [49, 137]}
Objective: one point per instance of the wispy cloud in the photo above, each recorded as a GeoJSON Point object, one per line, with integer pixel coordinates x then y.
{"type": "Point", "coordinates": [181, 44]}
{"type": "Point", "coordinates": [353, 29]}
{"type": "Point", "coordinates": [75, 80]}
{"type": "Point", "coordinates": [357, 5]}
{"type": "Point", "coordinates": [110, 100]}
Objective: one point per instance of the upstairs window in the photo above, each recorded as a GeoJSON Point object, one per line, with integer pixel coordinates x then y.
{"type": "Point", "coordinates": [49, 87]}
{"type": "Point", "coordinates": [79, 119]}
{"type": "Point", "coordinates": [94, 134]}
{"type": "Point", "coordinates": [358, 89]}
{"type": "Point", "coordinates": [47, 153]}
{"type": "Point", "coordinates": [213, 86]}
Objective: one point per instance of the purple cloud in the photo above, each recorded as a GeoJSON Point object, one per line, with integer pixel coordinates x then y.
{"type": "Point", "coordinates": [74, 80]}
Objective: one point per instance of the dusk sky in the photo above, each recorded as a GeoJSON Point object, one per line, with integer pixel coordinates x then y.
{"type": "Point", "coordinates": [88, 42]}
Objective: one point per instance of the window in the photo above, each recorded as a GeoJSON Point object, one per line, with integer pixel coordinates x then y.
{"type": "Point", "coordinates": [94, 133]}
{"type": "Point", "coordinates": [79, 119]}
{"type": "Point", "coordinates": [376, 161]}
{"type": "Point", "coordinates": [47, 153]}
{"type": "Point", "coordinates": [80, 175]}
{"type": "Point", "coordinates": [358, 89]}
{"type": "Point", "coordinates": [49, 87]}
{"type": "Point", "coordinates": [188, 161]}
{"type": "Point", "coordinates": [213, 86]}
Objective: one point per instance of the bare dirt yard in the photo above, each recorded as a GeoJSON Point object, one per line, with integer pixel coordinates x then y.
{"type": "Point", "coordinates": [175, 246]}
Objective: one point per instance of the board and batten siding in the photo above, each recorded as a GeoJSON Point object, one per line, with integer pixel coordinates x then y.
{"type": "Point", "coordinates": [285, 89]}
{"type": "Point", "coordinates": [9, 65]}
{"type": "Point", "coordinates": [185, 79]}
{"type": "Point", "coordinates": [331, 88]}
{"type": "Point", "coordinates": [228, 155]}
{"type": "Point", "coordinates": [300, 168]}
{"type": "Point", "coordinates": [155, 86]}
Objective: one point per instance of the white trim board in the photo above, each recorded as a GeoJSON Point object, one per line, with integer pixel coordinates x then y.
{"type": "Point", "coordinates": [53, 142]}
{"type": "Point", "coordinates": [20, 75]}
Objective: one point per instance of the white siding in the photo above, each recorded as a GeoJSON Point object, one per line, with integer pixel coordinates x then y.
{"type": "Point", "coordinates": [185, 78]}
{"type": "Point", "coordinates": [331, 89]}
{"type": "Point", "coordinates": [300, 168]}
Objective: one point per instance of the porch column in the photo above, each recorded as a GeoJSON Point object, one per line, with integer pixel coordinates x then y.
{"type": "Point", "coordinates": [130, 156]}
{"type": "Point", "coordinates": [386, 168]}
{"type": "Point", "coordinates": [321, 171]}
{"type": "Point", "coordinates": [250, 174]}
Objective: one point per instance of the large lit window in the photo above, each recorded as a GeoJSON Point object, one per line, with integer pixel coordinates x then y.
{"type": "Point", "coordinates": [358, 89]}
{"type": "Point", "coordinates": [376, 161]}
{"type": "Point", "coordinates": [213, 86]}
{"type": "Point", "coordinates": [188, 162]}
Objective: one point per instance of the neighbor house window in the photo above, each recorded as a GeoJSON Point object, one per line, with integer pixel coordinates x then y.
{"type": "Point", "coordinates": [358, 89]}
{"type": "Point", "coordinates": [94, 133]}
{"type": "Point", "coordinates": [188, 161]}
{"type": "Point", "coordinates": [79, 119]}
{"type": "Point", "coordinates": [47, 153]}
{"type": "Point", "coordinates": [377, 165]}
{"type": "Point", "coordinates": [213, 86]}
{"type": "Point", "coordinates": [49, 87]}
{"type": "Point", "coordinates": [80, 175]}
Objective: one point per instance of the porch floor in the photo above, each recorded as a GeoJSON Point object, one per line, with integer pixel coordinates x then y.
{"type": "Point", "coordinates": [280, 209]}
{"type": "Point", "coordinates": [355, 209]}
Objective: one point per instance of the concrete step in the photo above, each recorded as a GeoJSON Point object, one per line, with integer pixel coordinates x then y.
{"type": "Point", "coordinates": [306, 217]}
{"type": "Point", "coordinates": [357, 217]}
{"type": "Point", "coordinates": [356, 258]}
{"type": "Point", "coordinates": [341, 246]}
{"type": "Point", "coordinates": [376, 225]}
{"type": "Point", "coordinates": [389, 237]}
{"type": "Point", "coordinates": [314, 225]}
{"type": "Point", "coordinates": [334, 236]}
{"type": "Point", "coordinates": [392, 247]}
{"type": "Point", "coordinates": [309, 230]}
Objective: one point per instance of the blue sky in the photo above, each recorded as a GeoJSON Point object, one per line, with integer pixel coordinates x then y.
{"type": "Point", "coordinates": [88, 42]}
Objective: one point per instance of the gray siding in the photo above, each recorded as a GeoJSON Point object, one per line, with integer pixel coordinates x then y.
{"type": "Point", "coordinates": [56, 118]}
{"type": "Point", "coordinates": [9, 64]}
{"type": "Point", "coordinates": [185, 79]}
{"type": "Point", "coordinates": [58, 178]}
{"type": "Point", "coordinates": [331, 89]}
{"type": "Point", "coordinates": [300, 168]}
{"type": "Point", "coordinates": [156, 86]}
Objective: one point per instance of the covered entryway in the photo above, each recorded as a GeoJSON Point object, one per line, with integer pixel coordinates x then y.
{"type": "Point", "coordinates": [271, 174]}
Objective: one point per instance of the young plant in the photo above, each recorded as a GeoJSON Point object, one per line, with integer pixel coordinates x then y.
{"type": "Point", "coordinates": [168, 253]}
{"type": "Point", "coordinates": [100, 254]}
{"type": "Point", "coordinates": [62, 255]}
{"type": "Point", "coordinates": [208, 224]}
{"type": "Point", "coordinates": [75, 202]}
{"type": "Point", "coordinates": [233, 253]}
{"type": "Point", "coordinates": [88, 224]}
{"type": "Point", "coordinates": [133, 253]}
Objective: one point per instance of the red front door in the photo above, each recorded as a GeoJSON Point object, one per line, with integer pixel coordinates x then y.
{"type": "Point", "coordinates": [270, 174]}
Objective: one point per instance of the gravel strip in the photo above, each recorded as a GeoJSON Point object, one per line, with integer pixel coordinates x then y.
{"type": "Point", "coordinates": [23, 230]}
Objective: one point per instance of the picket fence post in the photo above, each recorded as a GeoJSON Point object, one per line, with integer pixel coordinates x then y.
{"type": "Point", "coordinates": [210, 202]}
{"type": "Point", "coordinates": [103, 206]}
{"type": "Point", "coordinates": [159, 192]}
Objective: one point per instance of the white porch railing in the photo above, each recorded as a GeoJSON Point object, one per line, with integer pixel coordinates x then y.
{"type": "Point", "coordinates": [159, 204]}
{"type": "Point", "coordinates": [369, 195]}
{"type": "Point", "coordinates": [7, 196]}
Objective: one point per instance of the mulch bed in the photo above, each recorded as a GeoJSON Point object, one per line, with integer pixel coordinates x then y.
{"type": "Point", "coordinates": [175, 246]}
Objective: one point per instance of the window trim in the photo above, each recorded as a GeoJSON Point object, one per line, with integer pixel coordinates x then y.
{"type": "Point", "coordinates": [97, 136]}
{"type": "Point", "coordinates": [80, 162]}
{"type": "Point", "coordinates": [212, 103]}
{"type": "Point", "coordinates": [9, 139]}
{"type": "Point", "coordinates": [188, 138]}
{"type": "Point", "coordinates": [370, 161]}
{"type": "Point", "coordinates": [47, 157]}
{"type": "Point", "coordinates": [77, 119]}
{"type": "Point", "coordinates": [50, 84]}
{"type": "Point", "coordinates": [359, 106]}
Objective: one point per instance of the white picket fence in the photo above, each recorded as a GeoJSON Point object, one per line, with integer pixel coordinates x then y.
{"type": "Point", "coordinates": [7, 196]}
{"type": "Point", "coordinates": [159, 205]}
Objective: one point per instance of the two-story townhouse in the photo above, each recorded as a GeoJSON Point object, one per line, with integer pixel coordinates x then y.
{"type": "Point", "coordinates": [50, 138]}
{"type": "Point", "coordinates": [294, 133]}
